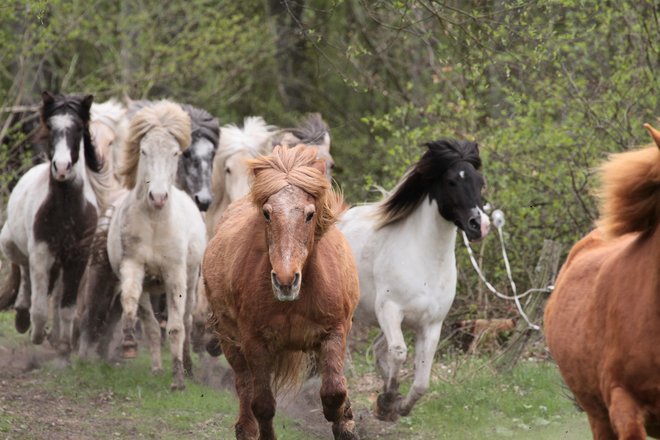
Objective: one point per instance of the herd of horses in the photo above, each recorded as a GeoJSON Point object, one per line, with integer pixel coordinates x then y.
{"type": "Point", "coordinates": [234, 239]}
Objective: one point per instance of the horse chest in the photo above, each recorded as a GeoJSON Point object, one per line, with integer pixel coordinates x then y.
{"type": "Point", "coordinates": [64, 219]}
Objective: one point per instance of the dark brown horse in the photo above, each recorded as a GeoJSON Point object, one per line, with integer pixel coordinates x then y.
{"type": "Point", "coordinates": [281, 280]}
{"type": "Point", "coordinates": [602, 322]}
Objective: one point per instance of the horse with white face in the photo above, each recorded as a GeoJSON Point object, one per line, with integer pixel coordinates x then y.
{"type": "Point", "coordinates": [312, 131]}
{"type": "Point", "coordinates": [157, 237]}
{"type": "Point", "coordinates": [230, 177]}
{"type": "Point", "coordinates": [50, 212]}
{"type": "Point", "coordinates": [404, 248]}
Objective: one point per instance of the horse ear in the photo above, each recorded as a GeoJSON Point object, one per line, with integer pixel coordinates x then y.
{"type": "Point", "coordinates": [655, 134]}
{"type": "Point", "coordinates": [87, 101]}
{"type": "Point", "coordinates": [47, 97]}
{"type": "Point", "coordinates": [320, 165]}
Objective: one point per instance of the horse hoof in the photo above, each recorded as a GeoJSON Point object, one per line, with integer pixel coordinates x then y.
{"type": "Point", "coordinates": [178, 386]}
{"type": "Point", "coordinates": [157, 371]}
{"type": "Point", "coordinates": [384, 407]}
{"type": "Point", "coordinates": [213, 347]}
{"type": "Point", "coordinates": [345, 431]}
{"type": "Point", "coordinates": [129, 350]}
{"type": "Point", "coordinates": [243, 433]}
{"type": "Point", "coordinates": [22, 320]}
{"type": "Point", "coordinates": [37, 339]}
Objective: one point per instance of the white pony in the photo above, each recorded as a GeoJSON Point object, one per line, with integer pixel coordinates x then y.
{"type": "Point", "coordinates": [51, 211]}
{"type": "Point", "coordinates": [108, 126]}
{"type": "Point", "coordinates": [157, 236]}
{"type": "Point", "coordinates": [404, 249]}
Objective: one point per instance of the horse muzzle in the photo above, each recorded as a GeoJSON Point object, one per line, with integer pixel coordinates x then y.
{"type": "Point", "coordinates": [478, 226]}
{"type": "Point", "coordinates": [157, 200]}
{"type": "Point", "coordinates": [286, 290]}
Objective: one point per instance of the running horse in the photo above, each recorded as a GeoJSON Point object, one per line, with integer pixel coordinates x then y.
{"type": "Point", "coordinates": [281, 280]}
{"type": "Point", "coordinates": [602, 322]}
{"type": "Point", "coordinates": [404, 246]}
{"type": "Point", "coordinates": [50, 212]}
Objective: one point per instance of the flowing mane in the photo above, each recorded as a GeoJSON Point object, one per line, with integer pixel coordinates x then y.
{"type": "Point", "coordinates": [630, 193]}
{"type": "Point", "coordinates": [414, 186]}
{"type": "Point", "coordinates": [252, 138]}
{"type": "Point", "coordinates": [311, 131]}
{"type": "Point", "coordinates": [202, 124]}
{"type": "Point", "coordinates": [167, 119]}
{"type": "Point", "coordinates": [294, 166]}
{"type": "Point", "coordinates": [111, 113]}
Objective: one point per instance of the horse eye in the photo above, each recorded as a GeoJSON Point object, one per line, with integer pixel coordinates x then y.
{"type": "Point", "coordinates": [267, 215]}
{"type": "Point", "coordinates": [186, 153]}
{"type": "Point", "coordinates": [451, 183]}
{"type": "Point", "coordinates": [144, 153]}
{"type": "Point", "coordinates": [309, 218]}
{"type": "Point", "coordinates": [228, 171]}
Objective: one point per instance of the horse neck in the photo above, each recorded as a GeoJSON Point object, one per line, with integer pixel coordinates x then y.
{"type": "Point", "coordinates": [431, 233]}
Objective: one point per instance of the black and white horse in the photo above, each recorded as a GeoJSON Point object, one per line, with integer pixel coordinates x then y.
{"type": "Point", "coordinates": [50, 211]}
{"type": "Point", "coordinates": [404, 249]}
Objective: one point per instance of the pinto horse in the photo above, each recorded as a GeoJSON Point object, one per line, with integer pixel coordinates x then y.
{"type": "Point", "coordinates": [404, 248]}
{"type": "Point", "coordinates": [50, 211]}
{"type": "Point", "coordinates": [281, 279]}
{"type": "Point", "coordinates": [602, 321]}
{"type": "Point", "coordinates": [156, 236]}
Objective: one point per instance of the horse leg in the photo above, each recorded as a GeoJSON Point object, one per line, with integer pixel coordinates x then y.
{"type": "Point", "coordinates": [175, 287]}
{"type": "Point", "coordinates": [389, 318]}
{"type": "Point", "coordinates": [41, 263]}
{"type": "Point", "coordinates": [246, 425]}
{"type": "Point", "coordinates": [55, 290]}
{"type": "Point", "coordinates": [132, 277]}
{"type": "Point", "coordinates": [334, 395]}
{"type": "Point", "coordinates": [626, 416]}
{"type": "Point", "coordinates": [425, 346]}
{"type": "Point", "coordinates": [263, 403]}
{"type": "Point", "coordinates": [379, 348]}
{"type": "Point", "coordinates": [151, 329]}
{"type": "Point", "coordinates": [72, 273]}
{"type": "Point", "coordinates": [601, 429]}
{"type": "Point", "coordinates": [22, 305]}
{"type": "Point", "coordinates": [191, 286]}
{"type": "Point", "coordinates": [199, 319]}
{"type": "Point", "coordinates": [98, 291]}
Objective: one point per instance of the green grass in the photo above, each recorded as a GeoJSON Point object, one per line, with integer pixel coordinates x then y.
{"type": "Point", "coordinates": [467, 399]}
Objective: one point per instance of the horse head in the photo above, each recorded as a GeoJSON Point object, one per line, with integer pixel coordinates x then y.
{"type": "Point", "coordinates": [196, 163]}
{"type": "Point", "coordinates": [158, 135]}
{"type": "Point", "coordinates": [451, 166]}
{"type": "Point", "coordinates": [297, 205]}
{"type": "Point", "coordinates": [66, 126]}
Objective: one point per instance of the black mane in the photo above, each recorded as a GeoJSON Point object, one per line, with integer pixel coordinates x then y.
{"type": "Point", "coordinates": [311, 130]}
{"type": "Point", "coordinates": [202, 124]}
{"type": "Point", "coordinates": [414, 187]}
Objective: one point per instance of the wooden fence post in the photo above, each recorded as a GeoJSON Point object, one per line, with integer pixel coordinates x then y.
{"type": "Point", "coordinates": [546, 273]}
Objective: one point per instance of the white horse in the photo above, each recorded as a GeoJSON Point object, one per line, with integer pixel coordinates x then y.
{"type": "Point", "coordinates": [52, 209]}
{"type": "Point", "coordinates": [108, 126]}
{"type": "Point", "coordinates": [404, 248]}
{"type": "Point", "coordinates": [157, 236]}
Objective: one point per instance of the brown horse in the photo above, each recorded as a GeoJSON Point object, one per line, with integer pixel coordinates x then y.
{"type": "Point", "coordinates": [281, 280]}
{"type": "Point", "coordinates": [603, 320]}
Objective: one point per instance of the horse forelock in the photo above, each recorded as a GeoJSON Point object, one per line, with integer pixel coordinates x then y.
{"type": "Point", "coordinates": [311, 130]}
{"type": "Point", "coordinates": [294, 166]}
{"type": "Point", "coordinates": [67, 104]}
{"type": "Point", "coordinates": [109, 113]}
{"type": "Point", "coordinates": [203, 124]}
{"type": "Point", "coordinates": [253, 138]}
{"type": "Point", "coordinates": [165, 119]}
{"type": "Point", "coordinates": [630, 192]}
{"type": "Point", "coordinates": [441, 155]}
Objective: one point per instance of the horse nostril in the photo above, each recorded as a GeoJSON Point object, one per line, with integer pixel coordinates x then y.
{"type": "Point", "coordinates": [474, 223]}
{"type": "Point", "coordinates": [68, 167]}
{"type": "Point", "coordinates": [273, 277]}
{"type": "Point", "coordinates": [296, 281]}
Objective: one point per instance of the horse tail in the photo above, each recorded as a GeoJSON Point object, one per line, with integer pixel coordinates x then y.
{"type": "Point", "coordinates": [10, 289]}
{"type": "Point", "coordinates": [290, 369]}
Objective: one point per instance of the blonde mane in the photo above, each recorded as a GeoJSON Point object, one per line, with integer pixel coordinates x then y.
{"type": "Point", "coordinates": [295, 166]}
{"type": "Point", "coordinates": [630, 192]}
{"type": "Point", "coordinates": [164, 118]}
{"type": "Point", "coordinates": [253, 139]}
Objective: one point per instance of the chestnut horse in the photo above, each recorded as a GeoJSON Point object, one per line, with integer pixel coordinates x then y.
{"type": "Point", "coordinates": [281, 280]}
{"type": "Point", "coordinates": [602, 321]}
